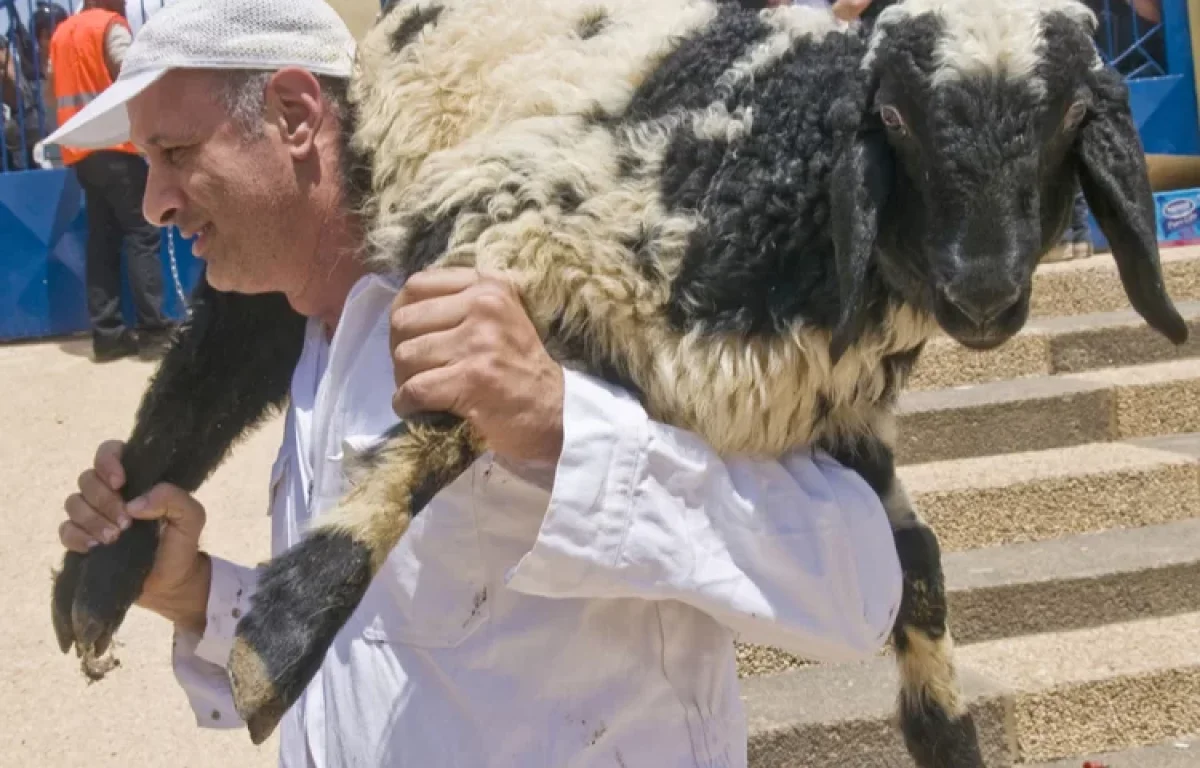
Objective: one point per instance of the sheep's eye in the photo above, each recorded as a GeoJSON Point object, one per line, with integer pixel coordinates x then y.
{"type": "Point", "coordinates": [1074, 115]}
{"type": "Point", "coordinates": [892, 118]}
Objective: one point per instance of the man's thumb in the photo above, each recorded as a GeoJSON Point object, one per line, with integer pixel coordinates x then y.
{"type": "Point", "coordinates": [169, 502]}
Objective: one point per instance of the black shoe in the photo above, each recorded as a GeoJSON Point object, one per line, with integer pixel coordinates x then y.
{"type": "Point", "coordinates": [108, 348]}
{"type": "Point", "coordinates": [152, 345]}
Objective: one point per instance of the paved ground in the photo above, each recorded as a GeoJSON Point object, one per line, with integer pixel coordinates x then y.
{"type": "Point", "coordinates": [57, 405]}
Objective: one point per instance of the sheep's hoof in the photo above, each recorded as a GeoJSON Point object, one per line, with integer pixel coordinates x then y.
{"type": "Point", "coordinates": [935, 740]}
{"type": "Point", "coordinates": [303, 599]}
{"type": "Point", "coordinates": [93, 592]}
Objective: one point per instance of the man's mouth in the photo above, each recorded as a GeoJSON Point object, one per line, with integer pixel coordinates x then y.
{"type": "Point", "coordinates": [199, 238]}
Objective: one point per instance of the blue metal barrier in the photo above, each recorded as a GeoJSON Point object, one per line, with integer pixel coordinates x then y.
{"type": "Point", "coordinates": [1155, 56]}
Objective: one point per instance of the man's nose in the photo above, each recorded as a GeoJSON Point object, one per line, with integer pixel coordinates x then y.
{"type": "Point", "coordinates": [160, 202]}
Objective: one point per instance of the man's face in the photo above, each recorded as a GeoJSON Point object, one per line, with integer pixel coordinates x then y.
{"type": "Point", "coordinates": [238, 196]}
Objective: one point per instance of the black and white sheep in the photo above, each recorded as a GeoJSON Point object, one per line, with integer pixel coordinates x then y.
{"type": "Point", "coordinates": [753, 220]}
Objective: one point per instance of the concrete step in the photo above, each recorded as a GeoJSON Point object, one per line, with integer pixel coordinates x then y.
{"type": "Point", "coordinates": [1074, 582]}
{"type": "Point", "coordinates": [1041, 495]}
{"type": "Point", "coordinates": [1181, 752]}
{"type": "Point", "coordinates": [1056, 345]}
{"type": "Point", "coordinates": [1092, 285]}
{"type": "Point", "coordinates": [1111, 687]}
{"type": "Point", "coordinates": [1044, 412]}
{"type": "Point", "coordinates": [1036, 698]}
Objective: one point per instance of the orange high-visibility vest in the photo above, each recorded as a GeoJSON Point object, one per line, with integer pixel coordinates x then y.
{"type": "Point", "coordinates": [80, 74]}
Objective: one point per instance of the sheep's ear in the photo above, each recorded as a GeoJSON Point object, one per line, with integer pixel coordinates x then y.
{"type": "Point", "coordinates": [859, 188]}
{"type": "Point", "coordinates": [1116, 184]}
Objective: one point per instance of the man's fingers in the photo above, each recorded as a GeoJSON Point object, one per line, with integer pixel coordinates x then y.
{"type": "Point", "coordinates": [432, 391]}
{"type": "Point", "coordinates": [108, 463]}
{"type": "Point", "coordinates": [423, 353]}
{"type": "Point", "coordinates": [75, 538]}
{"type": "Point", "coordinates": [440, 313]}
{"type": "Point", "coordinates": [91, 523]}
{"type": "Point", "coordinates": [103, 499]}
{"type": "Point", "coordinates": [431, 283]}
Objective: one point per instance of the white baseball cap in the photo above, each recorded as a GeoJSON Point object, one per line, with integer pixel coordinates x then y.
{"type": "Point", "coordinates": [213, 34]}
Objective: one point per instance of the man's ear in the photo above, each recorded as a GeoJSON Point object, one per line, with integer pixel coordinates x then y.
{"type": "Point", "coordinates": [860, 184]}
{"type": "Point", "coordinates": [1116, 184]}
{"type": "Point", "coordinates": [294, 100]}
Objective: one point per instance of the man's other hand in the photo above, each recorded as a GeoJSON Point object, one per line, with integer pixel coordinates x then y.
{"type": "Point", "coordinates": [462, 343]}
{"type": "Point", "coordinates": [177, 586]}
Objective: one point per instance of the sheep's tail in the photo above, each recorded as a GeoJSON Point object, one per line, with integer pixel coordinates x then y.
{"type": "Point", "coordinates": [939, 731]}
{"type": "Point", "coordinates": [308, 593]}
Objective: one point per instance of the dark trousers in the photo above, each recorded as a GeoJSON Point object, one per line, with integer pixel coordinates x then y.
{"type": "Point", "coordinates": [113, 184]}
{"type": "Point", "coordinates": [1078, 231]}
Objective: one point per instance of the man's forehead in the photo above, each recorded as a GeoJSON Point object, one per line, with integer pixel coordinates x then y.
{"type": "Point", "coordinates": [179, 103]}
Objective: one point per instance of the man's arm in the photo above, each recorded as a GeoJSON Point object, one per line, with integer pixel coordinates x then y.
{"type": "Point", "coordinates": [116, 43]}
{"type": "Point", "coordinates": [796, 553]}
{"type": "Point", "coordinates": [200, 659]}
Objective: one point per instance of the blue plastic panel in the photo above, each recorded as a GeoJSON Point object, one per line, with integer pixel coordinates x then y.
{"type": "Point", "coordinates": [43, 237]}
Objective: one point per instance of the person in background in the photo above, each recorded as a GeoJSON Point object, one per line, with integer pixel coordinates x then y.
{"type": "Point", "coordinates": [18, 93]}
{"type": "Point", "coordinates": [23, 83]}
{"type": "Point", "coordinates": [86, 52]}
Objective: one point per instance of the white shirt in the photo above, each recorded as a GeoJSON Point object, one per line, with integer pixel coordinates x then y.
{"type": "Point", "coordinates": [577, 617]}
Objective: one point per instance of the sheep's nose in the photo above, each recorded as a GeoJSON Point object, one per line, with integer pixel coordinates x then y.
{"type": "Point", "coordinates": [981, 306]}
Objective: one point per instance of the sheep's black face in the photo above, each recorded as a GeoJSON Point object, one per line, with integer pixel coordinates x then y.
{"type": "Point", "coordinates": [983, 188]}
{"type": "Point", "coordinates": [979, 105]}
{"type": "Point", "coordinates": [984, 118]}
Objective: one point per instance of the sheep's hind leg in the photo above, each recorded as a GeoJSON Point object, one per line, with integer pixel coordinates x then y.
{"type": "Point", "coordinates": [939, 731]}
{"type": "Point", "coordinates": [308, 593]}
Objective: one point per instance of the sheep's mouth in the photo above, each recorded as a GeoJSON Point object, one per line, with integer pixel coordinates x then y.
{"type": "Point", "coordinates": [981, 342]}
{"type": "Point", "coordinates": [982, 331]}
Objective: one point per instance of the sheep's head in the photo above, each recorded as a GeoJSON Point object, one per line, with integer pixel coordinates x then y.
{"type": "Point", "coordinates": [984, 115]}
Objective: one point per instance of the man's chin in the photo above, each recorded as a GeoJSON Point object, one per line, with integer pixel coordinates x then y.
{"type": "Point", "coordinates": [219, 279]}
{"type": "Point", "coordinates": [215, 277]}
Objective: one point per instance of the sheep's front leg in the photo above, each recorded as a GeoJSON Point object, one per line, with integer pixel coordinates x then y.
{"type": "Point", "coordinates": [231, 362]}
{"type": "Point", "coordinates": [308, 593]}
{"type": "Point", "coordinates": [938, 729]}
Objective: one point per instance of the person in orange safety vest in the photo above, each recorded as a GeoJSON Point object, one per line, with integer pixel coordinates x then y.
{"type": "Point", "coordinates": [85, 56]}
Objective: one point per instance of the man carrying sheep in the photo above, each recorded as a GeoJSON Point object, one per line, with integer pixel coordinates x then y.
{"type": "Point", "coordinates": [573, 598]}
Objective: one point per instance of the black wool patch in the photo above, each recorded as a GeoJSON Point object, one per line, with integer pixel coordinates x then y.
{"type": "Point", "coordinates": [408, 29]}
{"type": "Point", "coordinates": [592, 24]}
{"type": "Point", "coordinates": [430, 241]}
{"type": "Point", "coordinates": [763, 257]}
{"type": "Point", "coordinates": [686, 78]}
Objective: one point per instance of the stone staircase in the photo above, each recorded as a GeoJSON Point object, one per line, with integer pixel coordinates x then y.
{"type": "Point", "coordinates": [1062, 475]}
